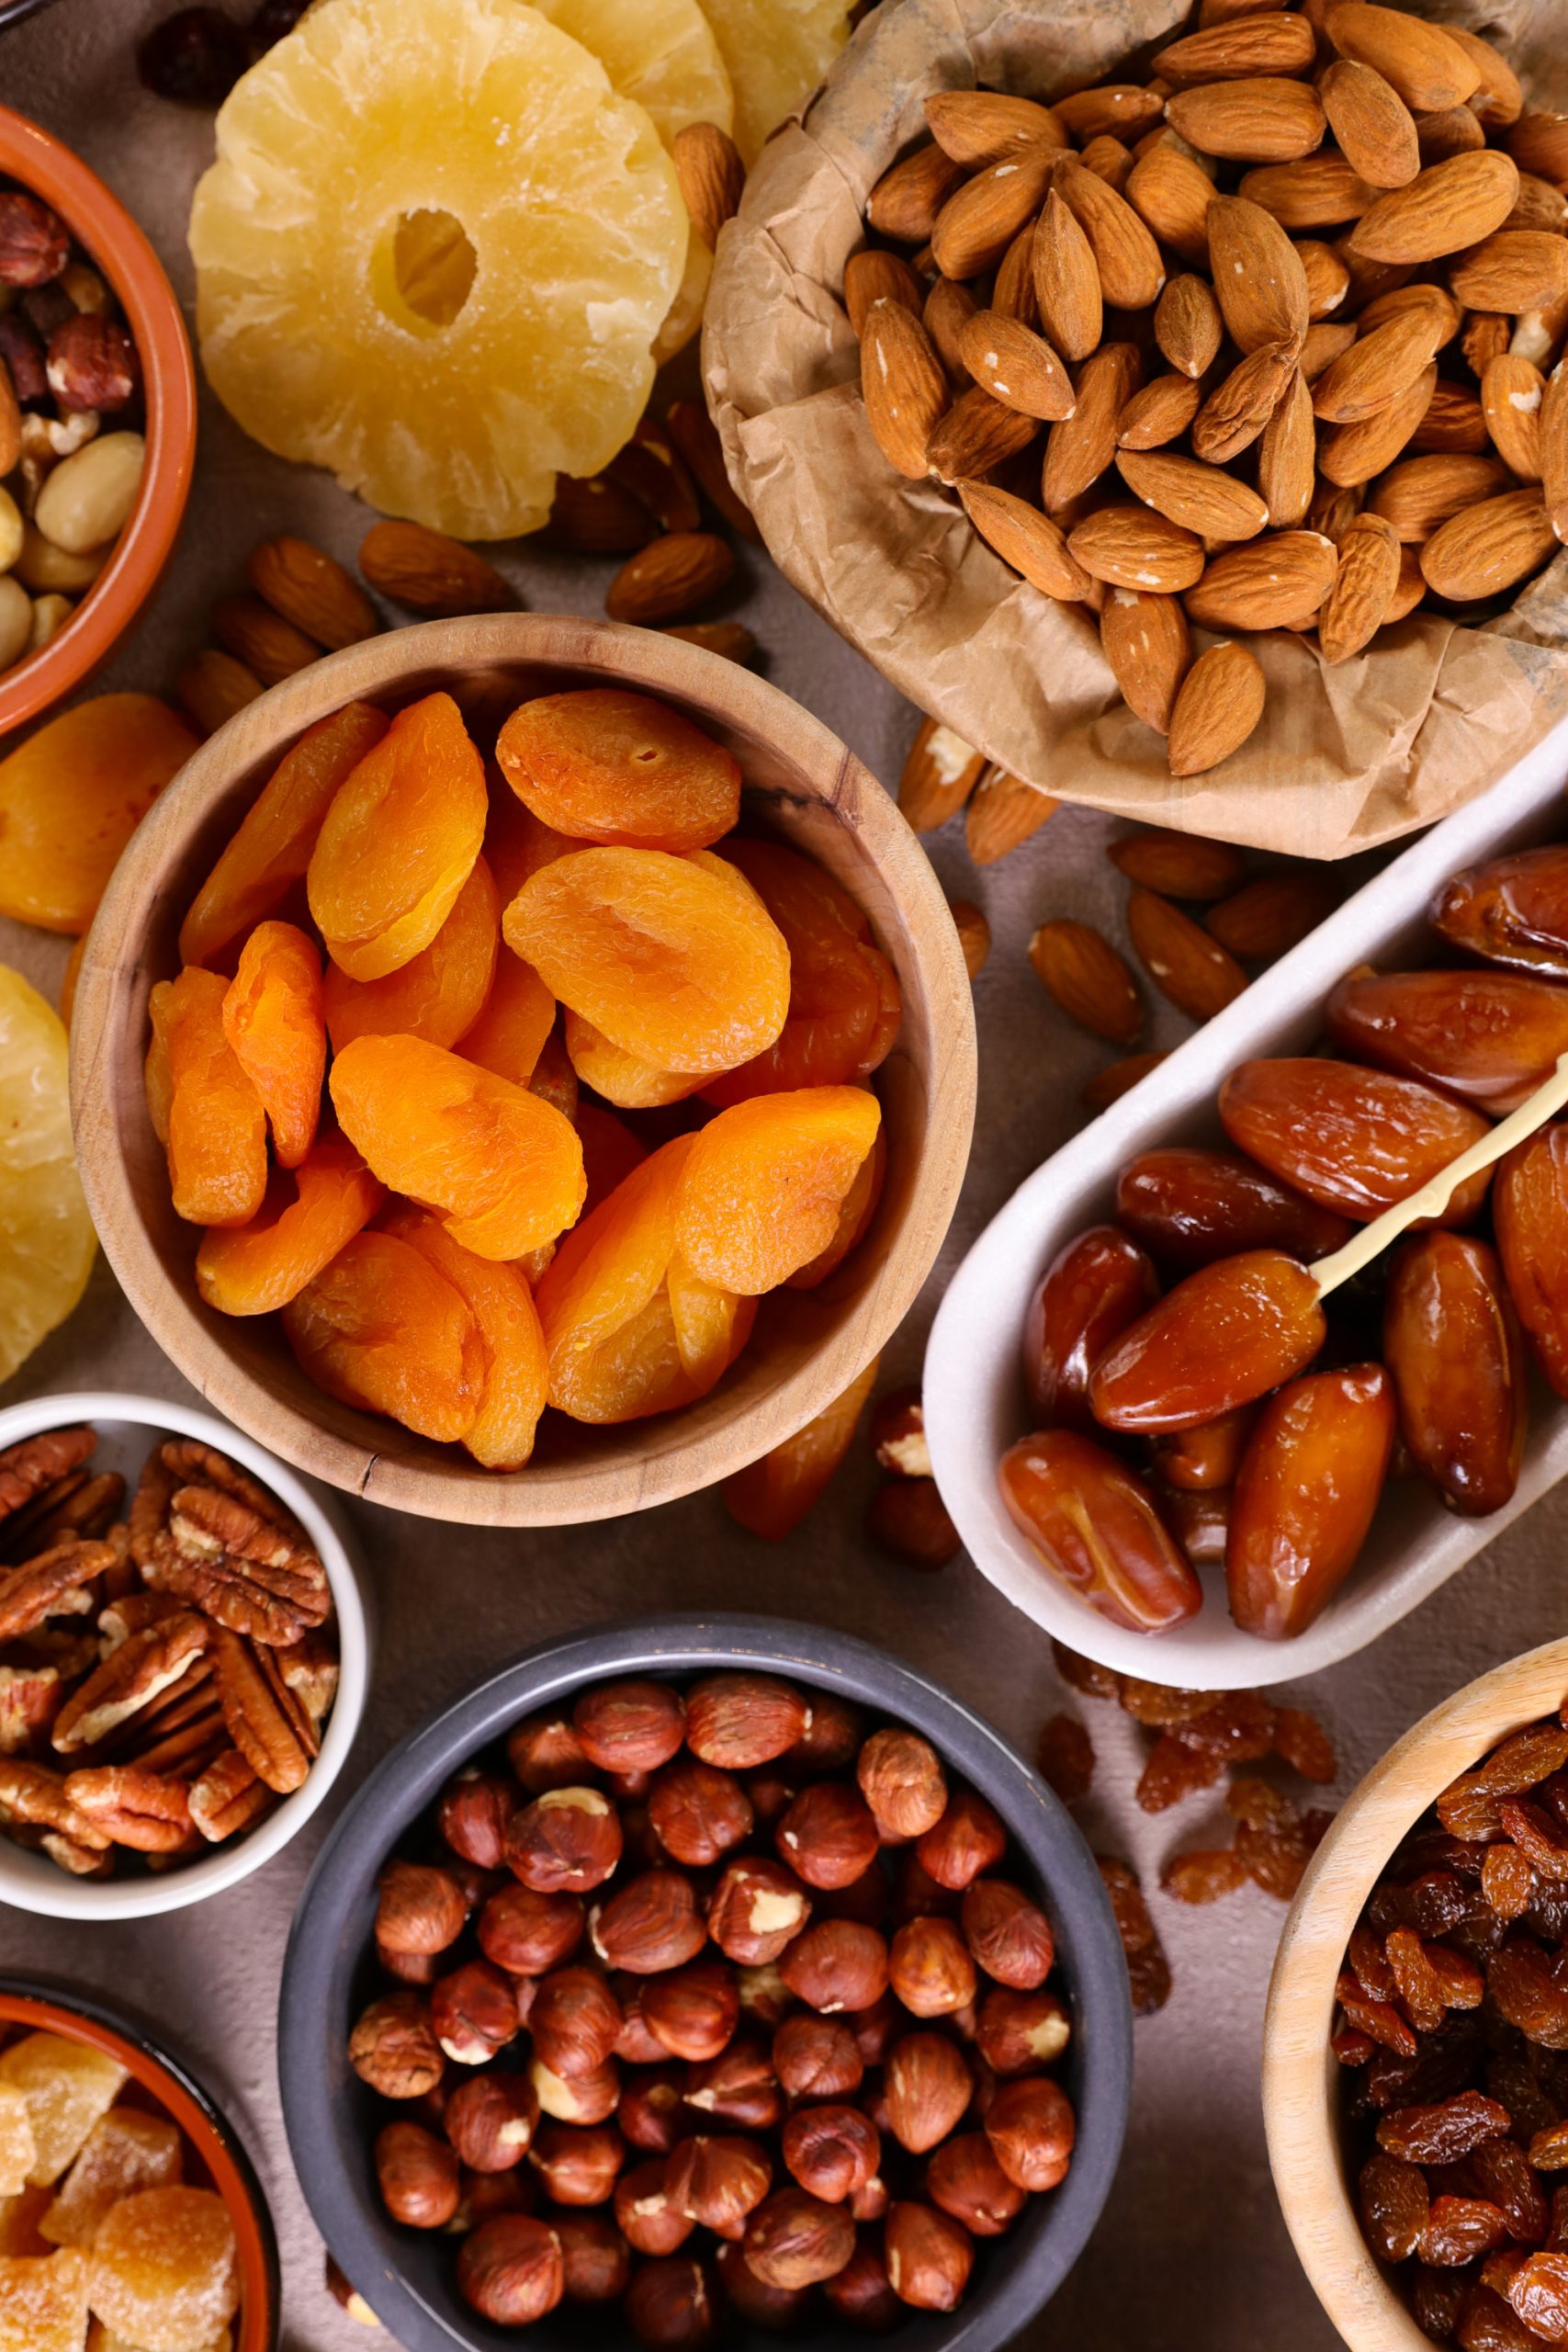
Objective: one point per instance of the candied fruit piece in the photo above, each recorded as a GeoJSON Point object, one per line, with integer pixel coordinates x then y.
{"type": "Point", "coordinates": [164, 2270]}
{"type": "Point", "coordinates": [620, 1078]}
{"type": "Point", "coordinates": [501, 1166]}
{"type": "Point", "coordinates": [382, 1329]}
{"type": "Point", "coordinates": [19, 2218]}
{"type": "Point", "coordinates": [760, 1194]}
{"type": "Point", "coordinates": [437, 994]}
{"type": "Point", "coordinates": [771, 1496]}
{"type": "Point", "coordinates": [124, 2152]}
{"type": "Point", "coordinates": [512, 1030]}
{"type": "Point", "coordinates": [620, 769]}
{"type": "Point", "coordinates": [67, 2088]}
{"type": "Point", "coordinates": [72, 795]}
{"type": "Point", "coordinates": [398, 841]}
{"type": "Point", "coordinates": [610, 1152]}
{"type": "Point", "coordinates": [676, 959]}
{"type": "Point", "coordinates": [512, 1395]}
{"type": "Point", "coordinates": [272, 848]}
{"type": "Point", "coordinates": [18, 2149]}
{"type": "Point", "coordinates": [43, 2302]}
{"type": "Point", "coordinates": [217, 1125]}
{"type": "Point", "coordinates": [305, 1217]}
{"type": "Point", "coordinates": [272, 1019]}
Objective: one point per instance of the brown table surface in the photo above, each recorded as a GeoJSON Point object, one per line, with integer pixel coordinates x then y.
{"type": "Point", "coordinates": [1190, 2251]}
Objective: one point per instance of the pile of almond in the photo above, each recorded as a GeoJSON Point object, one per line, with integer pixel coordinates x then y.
{"type": "Point", "coordinates": [1282, 314]}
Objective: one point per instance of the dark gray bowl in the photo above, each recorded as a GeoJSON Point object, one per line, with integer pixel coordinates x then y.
{"type": "Point", "coordinates": [409, 2278]}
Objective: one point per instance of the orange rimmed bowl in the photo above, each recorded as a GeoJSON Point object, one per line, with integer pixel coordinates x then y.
{"type": "Point", "coordinates": [115, 245]}
{"type": "Point", "coordinates": [34, 2007]}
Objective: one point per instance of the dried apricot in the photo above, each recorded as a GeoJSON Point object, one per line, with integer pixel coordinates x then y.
{"type": "Point", "coordinates": [503, 1166]}
{"type": "Point", "coordinates": [164, 2271]}
{"type": "Point", "coordinates": [619, 769]}
{"type": "Point", "coordinates": [399, 841]}
{"type": "Point", "coordinates": [272, 1019]}
{"type": "Point", "coordinates": [762, 1191]}
{"type": "Point", "coordinates": [217, 1126]}
{"type": "Point", "coordinates": [439, 994]}
{"type": "Point", "coordinates": [620, 1078]}
{"type": "Point", "coordinates": [676, 959]}
{"type": "Point", "coordinates": [712, 1324]}
{"type": "Point", "coordinates": [771, 1496]}
{"type": "Point", "coordinates": [510, 1033]}
{"type": "Point", "coordinates": [305, 1217]}
{"type": "Point", "coordinates": [381, 1328]}
{"type": "Point", "coordinates": [72, 795]}
{"type": "Point", "coordinates": [858, 1207]}
{"type": "Point", "coordinates": [512, 1396]}
{"type": "Point", "coordinates": [516, 843]}
{"type": "Point", "coordinates": [272, 848]}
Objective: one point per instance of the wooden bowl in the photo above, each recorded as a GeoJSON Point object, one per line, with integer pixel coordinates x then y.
{"type": "Point", "coordinates": [804, 786]}
{"type": "Point", "coordinates": [1301, 2076]}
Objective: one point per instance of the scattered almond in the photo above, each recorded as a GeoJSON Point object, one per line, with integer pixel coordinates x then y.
{"type": "Point", "coordinates": [976, 435]}
{"type": "Point", "coordinates": [1512, 270]}
{"type": "Point", "coordinates": [1082, 446]}
{"type": "Point", "coordinates": [1187, 325]}
{"type": "Point", "coordinates": [1110, 1084]}
{"type": "Point", "coordinates": [1427, 69]}
{"type": "Point", "coordinates": [1443, 210]}
{"type": "Point", "coordinates": [270, 647]}
{"type": "Point", "coordinates": [1025, 538]}
{"type": "Point", "coordinates": [431, 573]}
{"type": "Point", "coordinates": [1066, 282]}
{"type": "Point", "coordinates": [1159, 414]}
{"type": "Point", "coordinates": [1090, 980]}
{"type": "Point", "coordinates": [1184, 963]}
{"type": "Point", "coordinates": [1286, 455]}
{"type": "Point", "coordinates": [1126, 256]}
{"type": "Point", "coordinates": [1271, 914]}
{"type": "Point", "coordinates": [974, 934]}
{"type": "Point", "coordinates": [939, 775]}
{"type": "Point", "coordinates": [669, 577]}
{"type": "Point", "coordinates": [1200, 498]}
{"type": "Point", "coordinates": [1179, 866]}
{"type": "Point", "coordinates": [711, 177]}
{"type": "Point", "coordinates": [695, 437]}
{"type": "Point", "coordinates": [1260, 120]}
{"type": "Point", "coordinates": [877, 275]}
{"type": "Point", "coordinates": [214, 687]}
{"type": "Point", "coordinates": [1229, 52]}
{"type": "Point", "coordinates": [977, 128]}
{"type": "Point", "coordinates": [310, 589]}
{"type": "Point", "coordinates": [1259, 282]}
{"type": "Point", "coordinates": [1375, 129]}
{"type": "Point", "coordinates": [1275, 581]}
{"type": "Point", "coordinates": [1003, 813]}
{"type": "Point", "coordinates": [731, 640]}
{"type": "Point", "coordinates": [1219, 702]}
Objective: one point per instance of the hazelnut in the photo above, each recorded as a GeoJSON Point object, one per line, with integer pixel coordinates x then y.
{"type": "Point", "coordinates": [546, 1753]}
{"type": "Point", "coordinates": [485, 2194]}
{"type": "Point", "coordinates": [474, 2012]}
{"type": "Point", "coordinates": [965, 1842]}
{"type": "Point", "coordinates": [929, 1969]}
{"type": "Point", "coordinates": [876, 2029]}
{"type": "Point", "coordinates": [393, 2047]}
{"type": "Point", "coordinates": [867, 1899]}
{"type": "Point", "coordinates": [648, 2114]}
{"type": "Point", "coordinates": [22, 355]}
{"type": "Point", "coordinates": [907, 1520]}
{"type": "Point", "coordinates": [755, 1910]}
{"type": "Point", "coordinates": [816, 2058]}
{"type": "Point", "coordinates": [634, 2042]}
{"type": "Point", "coordinates": [630, 1726]}
{"type": "Point", "coordinates": [897, 1434]}
{"type": "Point", "coordinates": [528, 1934]}
{"type": "Point", "coordinates": [861, 2292]}
{"type": "Point", "coordinates": [1021, 2033]}
{"type": "Point", "coordinates": [567, 1841]}
{"type": "Point", "coordinates": [473, 1816]}
{"type": "Point", "coordinates": [578, 2166]}
{"type": "Point", "coordinates": [491, 2121]}
{"type": "Point", "coordinates": [1009, 1935]}
{"type": "Point", "coordinates": [739, 1721]}
{"type": "Point", "coordinates": [831, 2152]}
{"type": "Point", "coordinates": [739, 2087]}
{"type": "Point", "coordinates": [475, 1886]}
{"type": "Point", "coordinates": [930, 2257]}
{"type": "Point", "coordinates": [902, 1781]}
{"type": "Point", "coordinates": [641, 1847]}
{"type": "Point", "coordinates": [870, 2203]}
{"type": "Point", "coordinates": [831, 1742]}
{"type": "Point", "coordinates": [575, 2021]}
{"type": "Point", "coordinates": [417, 2175]}
{"type": "Point", "coordinates": [645, 2214]}
{"type": "Point", "coordinates": [597, 2260]}
{"type": "Point", "coordinates": [578, 2098]}
{"type": "Point", "coordinates": [836, 1965]}
{"type": "Point", "coordinates": [410, 1967]}
{"type": "Point", "coordinates": [777, 2311]}
{"type": "Point", "coordinates": [511, 2269]}
{"type": "Point", "coordinates": [669, 2303]}
{"type": "Point", "coordinates": [829, 1837]}
{"type": "Point", "coordinates": [771, 1795]}
{"type": "Point", "coordinates": [765, 1996]}
{"type": "Point", "coordinates": [927, 2086]}
{"type": "Point", "coordinates": [651, 1924]}
{"type": "Point", "coordinates": [719, 2182]}
{"type": "Point", "coordinates": [348, 2297]}
{"type": "Point", "coordinates": [629, 1788]}
{"type": "Point", "coordinates": [794, 2240]}
{"type": "Point", "coordinates": [965, 2180]}
{"type": "Point", "coordinates": [692, 2011]}
{"type": "Point", "coordinates": [1030, 2129]}
{"type": "Point", "coordinates": [92, 364]}
{"type": "Point", "coordinates": [35, 243]}
{"type": "Point", "coordinates": [698, 1813]}
{"type": "Point", "coordinates": [419, 1909]}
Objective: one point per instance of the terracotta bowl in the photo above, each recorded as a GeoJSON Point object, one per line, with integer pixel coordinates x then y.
{"type": "Point", "coordinates": [801, 784]}
{"type": "Point", "coordinates": [1302, 2082]}
{"type": "Point", "coordinates": [162, 2080]}
{"type": "Point", "coordinates": [117, 248]}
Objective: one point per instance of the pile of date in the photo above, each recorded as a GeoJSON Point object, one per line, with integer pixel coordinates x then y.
{"type": "Point", "coordinates": [1199, 1404]}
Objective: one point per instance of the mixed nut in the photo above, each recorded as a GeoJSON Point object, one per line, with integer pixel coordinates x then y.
{"type": "Point", "coordinates": [713, 1959]}
{"type": "Point", "coordinates": [164, 1671]}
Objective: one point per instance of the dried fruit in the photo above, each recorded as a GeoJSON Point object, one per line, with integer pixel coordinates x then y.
{"type": "Point", "coordinates": [1306, 1494]}
{"type": "Point", "coordinates": [1096, 1525]}
{"type": "Point", "coordinates": [72, 795]}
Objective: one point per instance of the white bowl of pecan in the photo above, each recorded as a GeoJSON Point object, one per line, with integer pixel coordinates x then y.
{"type": "Point", "coordinates": [183, 1655]}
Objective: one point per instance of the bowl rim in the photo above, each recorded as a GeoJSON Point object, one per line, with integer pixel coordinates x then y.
{"type": "Point", "coordinates": [119, 247]}
{"type": "Point", "coordinates": [331, 1923]}
{"type": "Point", "coordinates": [42, 2006]}
{"type": "Point", "coordinates": [670, 1461]}
{"type": "Point", "coordinates": [37, 1887]}
{"type": "Point", "coordinates": [1300, 2073]}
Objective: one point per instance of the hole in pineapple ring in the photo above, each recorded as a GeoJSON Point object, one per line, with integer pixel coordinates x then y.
{"type": "Point", "coordinates": [423, 270]}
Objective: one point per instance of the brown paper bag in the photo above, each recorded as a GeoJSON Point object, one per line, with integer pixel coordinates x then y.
{"type": "Point", "coordinates": [1344, 758]}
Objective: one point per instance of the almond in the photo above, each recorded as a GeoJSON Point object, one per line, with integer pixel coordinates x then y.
{"type": "Point", "coordinates": [696, 442]}
{"type": "Point", "coordinates": [1427, 69]}
{"type": "Point", "coordinates": [732, 640]}
{"type": "Point", "coordinates": [1489, 548]}
{"type": "Point", "coordinates": [1067, 282]}
{"type": "Point", "coordinates": [1538, 334]}
{"type": "Point", "coordinates": [1320, 192]}
{"type": "Point", "coordinates": [1259, 279]}
{"type": "Point", "coordinates": [711, 177]}
{"type": "Point", "coordinates": [1187, 326]}
{"type": "Point", "coordinates": [1130, 547]}
{"type": "Point", "coordinates": [1380, 368]}
{"type": "Point", "coordinates": [1015, 365]}
{"type": "Point", "coordinates": [1109, 160]}
{"type": "Point", "coordinates": [1079, 967]}
{"type": "Point", "coordinates": [1126, 254]}
{"type": "Point", "coordinates": [1350, 454]}
{"type": "Point", "coordinates": [1453, 420]}
{"type": "Point", "coordinates": [906, 201]}
{"type": "Point", "coordinates": [1271, 914]}
{"type": "Point", "coordinates": [1110, 1084]}
{"type": "Point", "coordinates": [1538, 142]}
{"type": "Point", "coordinates": [974, 934]}
{"type": "Point", "coordinates": [1411, 588]}
{"type": "Point", "coordinates": [1125, 108]}
{"type": "Point", "coordinates": [1178, 865]}
{"type": "Point", "coordinates": [1262, 120]}
{"type": "Point", "coordinates": [939, 773]}
{"type": "Point", "coordinates": [1236, 412]}
{"type": "Point", "coordinates": [1026, 539]}
{"type": "Point", "coordinates": [1443, 210]}
{"type": "Point", "coordinates": [431, 573]}
{"type": "Point", "coordinates": [1539, 205]}
{"type": "Point", "coordinates": [313, 590]}
{"type": "Point", "coordinates": [1275, 581]}
{"type": "Point", "coordinates": [1554, 449]}
{"type": "Point", "coordinates": [976, 128]}
{"type": "Point", "coordinates": [1374, 126]}
{"type": "Point", "coordinates": [1160, 412]}
{"type": "Point", "coordinates": [1513, 270]}
{"type": "Point", "coordinates": [1004, 813]}
{"type": "Point", "coordinates": [1417, 497]}
{"type": "Point", "coordinates": [597, 517]}
{"type": "Point", "coordinates": [270, 647]}
{"type": "Point", "coordinates": [1171, 191]}
{"type": "Point", "coordinates": [1322, 345]}
{"type": "Point", "coordinates": [1219, 707]}
{"type": "Point", "coordinates": [214, 687]}
{"type": "Point", "coordinates": [904, 385]}
{"type": "Point", "coordinates": [1149, 647]}
{"type": "Point", "coordinates": [976, 434]}
{"type": "Point", "coordinates": [1200, 498]}
{"type": "Point", "coordinates": [980, 220]}
{"type": "Point", "coordinates": [1083, 445]}
{"type": "Point", "coordinates": [1286, 455]}
{"type": "Point", "coordinates": [1496, 99]}
{"type": "Point", "coordinates": [1332, 511]}
{"type": "Point", "coordinates": [949, 307]}
{"type": "Point", "coordinates": [1454, 131]}
{"type": "Point", "coordinates": [1267, 44]}
{"type": "Point", "coordinates": [1356, 607]}
{"type": "Point", "coordinates": [1219, 702]}
{"type": "Point", "coordinates": [1327, 278]}
{"type": "Point", "coordinates": [1511, 394]}
{"type": "Point", "coordinates": [1401, 301]}
{"type": "Point", "coordinates": [876, 276]}
{"type": "Point", "coordinates": [1369, 278]}
{"type": "Point", "coordinates": [667, 579]}
{"type": "Point", "coordinates": [1013, 291]}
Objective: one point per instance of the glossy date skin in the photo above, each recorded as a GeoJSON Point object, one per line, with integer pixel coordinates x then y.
{"type": "Point", "coordinates": [1512, 911]}
{"type": "Point", "coordinates": [1189, 1208]}
{"type": "Point", "coordinates": [1096, 1525]}
{"type": "Point", "coordinates": [1453, 1346]}
{"type": "Point", "coordinates": [1304, 1498]}
{"type": "Point", "coordinates": [1197, 1461]}
{"type": "Point", "coordinates": [1492, 1037]}
{"type": "Point", "coordinates": [1093, 1288]}
{"type": "Point", "coordinates": [1356, 1140]}
{"type": "Point", "coordinates": [1223, 1338]}
{"type": "Point", "coordinates": [1529, 1210]}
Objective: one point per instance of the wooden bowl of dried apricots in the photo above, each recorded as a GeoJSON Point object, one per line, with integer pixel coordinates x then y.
{"type": "Point", "coordinates": [523, 1069]}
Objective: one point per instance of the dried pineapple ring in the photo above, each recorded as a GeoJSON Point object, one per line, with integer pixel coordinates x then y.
{"type": "Point", "coordinates": [434, 255]}
{"type": "Point", "coordinates": [777, 51]}
{"type": "Point", "coordinates": [660, 54]}
{"type": "Point", "coordinates": [46, 1235]}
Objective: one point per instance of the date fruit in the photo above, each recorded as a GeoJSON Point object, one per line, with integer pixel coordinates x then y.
{"type": "Point", "coordinates": [1305, 1496]}
{"type": "Point", "coordinates": [1356, 1140]}
{"type": "Point", "coordinates": [1512, 911]}
{"type": "Point", "coordinates": [1223, 1338]}
{"type": "Point", "coordinates": [1096, 1526]}
{"type": "Point", "coordinates": [1452, 1343]}
{"type": "Point", "coordinates": [1093, 1290]}
{"type": "Point", "coordinates": [1492, 1037]}
{"type": "Point", "coordinates": [1530, 1209]}
{"type": "Point", "coordinates": [1189, 1208]}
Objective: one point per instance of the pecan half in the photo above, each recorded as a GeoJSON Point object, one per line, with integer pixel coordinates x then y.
{"type": "Point", "coordinates": [36, 1797]}
{"type": "Point", "coordinates": [146, 1811]}
{"type": "Point", "coordinates": [89, 1508]}
{"type": "Point", "coordinates": [78, 1860]}
{"type": "Point", "coordinates": [246, 1572]}
{"type": "Point", "coordinates": [149, 1515]}
{"type": "Point", "coordinates": [192, 1463]}
{"type": "Point", "coordinates": [53, 1585]}
{"type": "Point", "coordinates": [310, 1668]}
{"type": "Point", "coordinates": [229, 1796]}
{"type": "Point", "coordinates": [263, 1722]}
{"type": "Point", "coordinates": [37, 1462]}
{"type": "Point", "coordinates": [185, 1749]}
{"type": "Point", "coordinates": [130, 1678]}
{"type": "Point", "coordinates": [132, 1614]}
{"type": "Point", "coordinates": [30, 1698]}
{"type": "Point", "coordinates": [16, 1531]}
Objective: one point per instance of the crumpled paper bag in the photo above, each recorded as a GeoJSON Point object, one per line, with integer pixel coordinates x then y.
{"type": "Point", "coordinates": [1344, 758]}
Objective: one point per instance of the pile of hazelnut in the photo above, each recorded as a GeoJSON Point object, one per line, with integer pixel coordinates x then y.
{"type": "Point", "coordinates": [713, 2001]}
{"type": "Point", "coordinates": [70, 446]}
